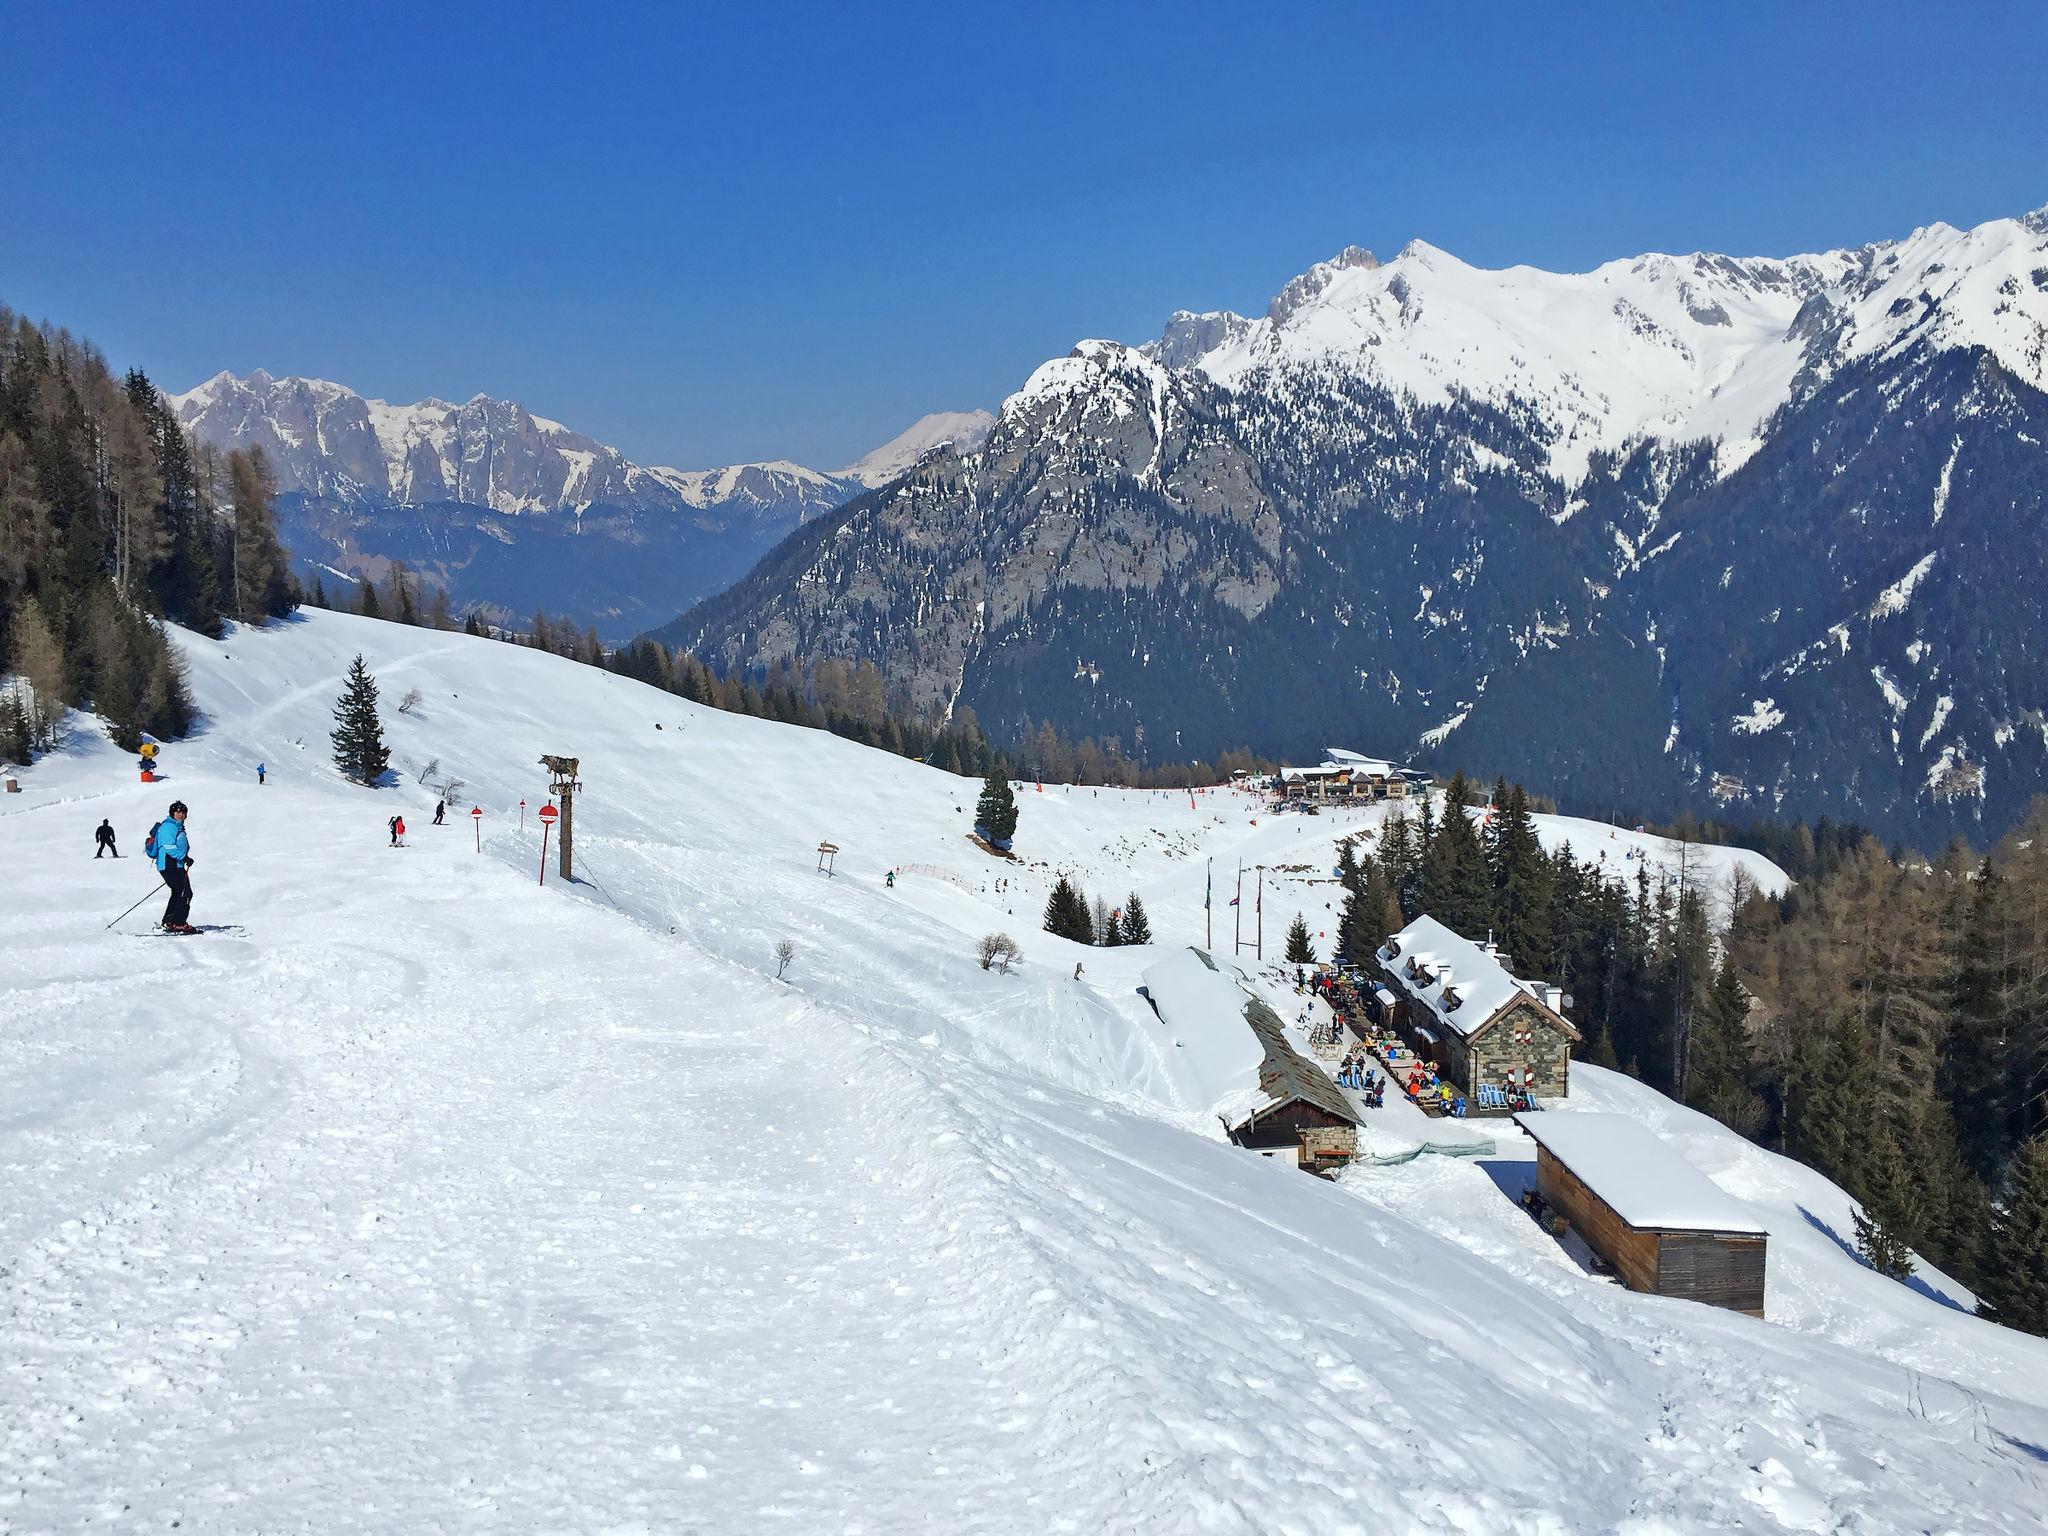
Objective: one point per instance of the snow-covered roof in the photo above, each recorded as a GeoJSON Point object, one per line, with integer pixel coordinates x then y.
{"type": "Point", "coordinates": [1235, 1036]}
{"type": "Point", "coordinates": [1338, 757]}
{"type": "Point", "coordinates": [1638, 1173]}
{"type": "Point", "coordinates": [1462, 983]}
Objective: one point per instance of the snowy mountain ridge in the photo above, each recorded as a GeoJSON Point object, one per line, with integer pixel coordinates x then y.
{"type": "Point", "coordinates": [1465, 514]}
{"type": "Point", "coordinates": [509, 511]}
{"type": "Point", "coordinates": [1675, 348]}
{"type": "Point", "coordinates": [325, 438]}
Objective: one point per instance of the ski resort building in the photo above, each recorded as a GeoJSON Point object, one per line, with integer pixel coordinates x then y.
{"type": "Point", "coordinates": [1345, 776]}
{"type": "Point", "coordinates": [1665, 1227]}
{"type": "Point", "coordinates": [1270, 1097]}
{"type": "Point", "coordinates": [1300, 1114]}
{"type": "Point", "coordinates": [1465, 1012]}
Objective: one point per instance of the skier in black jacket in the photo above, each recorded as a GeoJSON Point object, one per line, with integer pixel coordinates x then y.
{"type": "Point", "coordinates": [103, 840]}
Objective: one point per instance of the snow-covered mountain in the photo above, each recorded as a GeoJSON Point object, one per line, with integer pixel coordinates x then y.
{"type": "Point", "coordinates": [354, 469]}
{"type": "Point", "coordinates": [439, 1200]}
{"type": "Point", "coordinates": [1755, 533]}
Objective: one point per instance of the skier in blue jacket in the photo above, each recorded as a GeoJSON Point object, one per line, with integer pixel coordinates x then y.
{"type": "Point", "coordinates": [173, 854]}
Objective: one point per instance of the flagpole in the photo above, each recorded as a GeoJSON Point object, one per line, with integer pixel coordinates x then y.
{"type": "Point", "coordinates": [1208, 902]}
{"type": "Point", "coordinates": [1237, 914]}
{"type": "Point", "coordinates": [1259, 921]}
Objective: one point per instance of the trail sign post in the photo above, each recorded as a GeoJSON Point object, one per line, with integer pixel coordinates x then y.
{"type": "Point", "coordinates": [476, 819]}
{"type": "Point", "coordinates": [826, 853]}
{"type": "Point", "coordinates": [565, 786]}
{"type": "Point", "coordinates": [547, 825]}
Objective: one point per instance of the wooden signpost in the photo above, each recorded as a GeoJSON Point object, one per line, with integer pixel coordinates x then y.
{"type": "Point", "coordinates": [826, 853]}
{"type": "Point", "coordinates": [565, 786]}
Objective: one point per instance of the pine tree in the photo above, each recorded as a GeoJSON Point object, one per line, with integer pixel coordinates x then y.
{"type": "Point", "coordinates": [1111, 934]}
{"type": "Point", "coordinates": [995, 814]}
{"type": "Point", "coordinates": [1718, 1081]}
{"type": "Point", "coordinates": [1137, 928]}
{"type": "Point", "coordinates": [1457, 886]}
{"type": "Point", "coordinates": [1067, 915]}
{"type": "Point", "coordinates": [2017, 1286]}
{"type": "Point", "coordinates": [1300, 950]}
{"type": "Point", "coordinates": [1888, 1214]}
{"type": "Point", "coordinates": [366, 600]}
{"type": "Point", "coordinates": [358, 735]}
{"type": "Point", "coordinates": [261, 574]}
{"type": "Point", "coordinates": [1521, 880]}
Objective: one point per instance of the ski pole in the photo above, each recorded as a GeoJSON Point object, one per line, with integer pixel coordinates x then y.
{"type": "Point", "coordinates": [145, 896]}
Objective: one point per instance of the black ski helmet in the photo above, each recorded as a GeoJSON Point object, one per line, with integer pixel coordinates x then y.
{"type": "Point", "coordinates": [179, 805]}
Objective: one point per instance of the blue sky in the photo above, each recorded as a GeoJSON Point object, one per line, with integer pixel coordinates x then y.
{"type": "Point", "coordinates": [710, 235]}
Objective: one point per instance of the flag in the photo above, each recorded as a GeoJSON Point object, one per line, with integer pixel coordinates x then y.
{"type": "Point", "coordinates": [1233, 901]}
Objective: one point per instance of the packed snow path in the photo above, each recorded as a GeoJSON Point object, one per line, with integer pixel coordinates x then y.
{"type": "Point", "coordinates": [440, 1201]}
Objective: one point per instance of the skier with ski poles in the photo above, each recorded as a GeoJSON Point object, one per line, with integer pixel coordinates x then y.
{"type": "Point", "coordinates": [171, 851]}
{"type": "Point", "coordinates": [103, 840]}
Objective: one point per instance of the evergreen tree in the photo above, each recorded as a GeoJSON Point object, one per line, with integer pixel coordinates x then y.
{"type": "Point", "coordinates": [261, 576]}
{"type": "Point", "coordinates": [1457, 886]}
{"type": "Point", "coordinates": [1111, 933]}
{"type": "Point", "coordinates": [1400, 856]}
{"type": "Point", "coordinates": [366, 600]}
{"type": "Point", "coordinates": [1718, 1081]}
{"type": "Point", "coordinates": [1521, 880]}
{"type": "Point", "coordinates": [995, 814]}
{"type": "Point", "coordinates": [358, 735]}
{"type": "Point", "coordinates": [1300, 949]}
{"type": "Point", "coordinates": [1067, 915]}
{"type": "Point", "coordinates": [1889, 1214]}
{"type": "Point", "coordinates": [1137, 928]}
{"type": "Point", "coordinates": [2016, 1286]}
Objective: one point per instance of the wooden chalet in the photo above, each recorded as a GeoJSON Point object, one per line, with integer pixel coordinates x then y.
{"type": "Point", "coordinates": [1299, 1115]}
{"type": "Point", "coordinates": [1345, 777]}
{"type": "Point", "coordinates": [1665, 1227]}
{"type": "Point", "coordinates": [1466, 1013]}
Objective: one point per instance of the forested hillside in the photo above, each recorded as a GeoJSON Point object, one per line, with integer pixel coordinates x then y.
{"type": "Point", "coordinates": [1885, 1020]}
{"type": "Point", "coordinates": [111, 520]}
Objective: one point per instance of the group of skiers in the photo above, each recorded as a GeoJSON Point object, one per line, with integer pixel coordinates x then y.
{"type": "Point", "coordinates": [169, 848]}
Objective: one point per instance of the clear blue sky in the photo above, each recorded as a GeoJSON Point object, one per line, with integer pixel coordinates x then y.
{"type": "Point", "coordinates": [710, 234]}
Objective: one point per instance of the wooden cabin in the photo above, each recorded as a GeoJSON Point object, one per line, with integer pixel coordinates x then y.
{"type": "Point", "coordinates": [1464, 1011]}
{"type": "Point", "coordinates": [1665, 1227]}
{"type": "Point", "coordinates": [1300, 1116]}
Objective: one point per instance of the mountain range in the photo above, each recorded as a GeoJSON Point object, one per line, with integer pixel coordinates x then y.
{"type": "Point", "coordinates": [1740, 534]}
{"type": "Point", "coordinates": [511, 511]}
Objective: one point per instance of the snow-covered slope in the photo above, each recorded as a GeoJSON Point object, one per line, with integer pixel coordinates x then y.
{"type": "Point", "coordinates": [439, 1200]}
{"type": "Point", "coordinates": [964, 431]}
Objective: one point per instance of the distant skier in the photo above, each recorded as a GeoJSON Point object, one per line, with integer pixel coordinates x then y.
{"type": "Point", "coordinates": [440, 810]}
{"type": "Point", "coordinates": [103, 841]}
{"type": "Point", "coordinates": [259, 773]}
{"type": "Point", "coordinates": [171, 851]}
{"type": "Point", "coordinates": [397, 829]}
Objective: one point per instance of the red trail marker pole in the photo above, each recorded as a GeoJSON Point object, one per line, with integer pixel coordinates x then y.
{"type": "Point", "coordinates": [548, 813]}
{"type": "Point", "coordinates": [476, 819]}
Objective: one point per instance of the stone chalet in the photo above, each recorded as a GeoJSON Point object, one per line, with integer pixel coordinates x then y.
{"type": "Point", "coordinates": [1464, 1011]}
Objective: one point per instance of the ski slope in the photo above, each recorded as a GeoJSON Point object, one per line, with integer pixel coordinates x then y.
{"type": "Point", "coordinates": [441, 1200]}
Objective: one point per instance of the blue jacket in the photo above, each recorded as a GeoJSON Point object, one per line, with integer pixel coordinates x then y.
{"type": "Point", "coordinates": [171, 843]}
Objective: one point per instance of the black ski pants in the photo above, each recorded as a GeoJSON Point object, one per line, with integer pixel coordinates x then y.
{"type": "Point", "coordinates": [179, 908]}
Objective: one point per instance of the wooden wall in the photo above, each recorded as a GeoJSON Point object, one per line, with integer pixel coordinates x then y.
{"type": "Point", "coordinates": [1633, 1254]}
{"type": "Point", "coordinates": [1719, 1269]}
